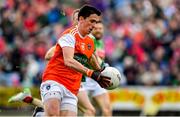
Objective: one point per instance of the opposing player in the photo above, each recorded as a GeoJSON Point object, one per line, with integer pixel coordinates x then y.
{"type": "Point", "coordinates": [99, 94]}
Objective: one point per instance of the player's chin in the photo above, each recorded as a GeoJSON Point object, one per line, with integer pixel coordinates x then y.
{"type": "Point", "coordinates": [90, 30]}
{"type": "Point", "coordinates": [98, 36]}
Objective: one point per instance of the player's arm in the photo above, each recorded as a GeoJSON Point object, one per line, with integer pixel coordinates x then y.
{"type": "Point", "coordinates": [100, 53]}
{"type": "Point", "coordinates": [98, 62]}
{"type": "Point", "coordinates": [94, 62]}
{"type": "Point", "coordinates": [68, 55]}
{"type": "Point", "coordinates": [67, 43]}
{"type": "Point", "coordinates": [50, 53]}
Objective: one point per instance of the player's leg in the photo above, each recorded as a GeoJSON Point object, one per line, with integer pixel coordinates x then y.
{"type": "Point", "coordinates": [101, 96]}
{"type": "Point", "coordinates": [38, 112]}
{"type": "Point", "coordinates": [68, 113]}
{"type": "Point", "coordinates": [84, 104]}
{"type": "Point", "coordinates": [104, 102]}
{"type": "Point", "coordinates": [37, 102]}
{"type": "Point", "coordinates": [57, 100]}
{"type": "Point", "coordinates": [68, 105]}
{"type": "Point", "coordinates": [68, 109]}
{"type": "Point", "coordinates": [26, 97]}
{"type": "Point", "coordinates": [51, 95]}
{"type": "Point", "coordinates": [51, 106]}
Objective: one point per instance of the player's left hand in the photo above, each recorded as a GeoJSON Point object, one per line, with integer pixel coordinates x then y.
{"type": "Point", "coordinates": [104, 81]}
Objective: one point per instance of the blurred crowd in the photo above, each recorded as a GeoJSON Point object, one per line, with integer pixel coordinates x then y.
{"type": "Point", "coordinates": [142, 38]}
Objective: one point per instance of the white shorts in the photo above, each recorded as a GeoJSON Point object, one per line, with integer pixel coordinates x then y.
{"type": "Point", "coordinates": [92, 87]}
{"type": "Point", "coordinates": [51, 89]}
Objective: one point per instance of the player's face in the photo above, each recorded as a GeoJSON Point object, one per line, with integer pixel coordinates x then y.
{"type": "Point", "coordinates": [98, 31]}
{"type": "Point", "coordinates": [86, 25]}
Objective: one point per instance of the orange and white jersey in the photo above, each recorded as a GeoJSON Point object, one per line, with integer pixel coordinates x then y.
{"type": "Point", "coordinates": [57, 71]}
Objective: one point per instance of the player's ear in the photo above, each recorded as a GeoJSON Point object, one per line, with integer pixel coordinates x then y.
{"type": "Point", "coordinates": [81, 18]}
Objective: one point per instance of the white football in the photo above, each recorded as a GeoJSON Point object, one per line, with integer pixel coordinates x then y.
{"type": "Point", "coordinates": [115, 76]}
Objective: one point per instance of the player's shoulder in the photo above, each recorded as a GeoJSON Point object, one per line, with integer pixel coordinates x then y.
{"type": "Point", "coordinates": [68, 33]}
{"type": "Point", "coordinates": [70, 30]}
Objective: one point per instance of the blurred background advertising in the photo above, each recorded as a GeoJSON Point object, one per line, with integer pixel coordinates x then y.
{"type": "Point", "coordinates": [142, 40]}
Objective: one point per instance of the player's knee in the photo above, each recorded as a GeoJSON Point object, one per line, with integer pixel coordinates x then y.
{"type": "Point", "coordinates": [90, 111]}
{"type": "Point", "coordinates": [107, 111]}
{"type": "Point", "coordinates": [52, 110]}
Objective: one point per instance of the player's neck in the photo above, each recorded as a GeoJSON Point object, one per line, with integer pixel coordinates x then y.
{"type": "Point", "coordinates": [81, 32]}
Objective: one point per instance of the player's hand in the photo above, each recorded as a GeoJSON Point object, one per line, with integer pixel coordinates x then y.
{"type": "Point", "coordinates": [102, 80]}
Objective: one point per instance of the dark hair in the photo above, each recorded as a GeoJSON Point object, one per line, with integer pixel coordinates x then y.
{"type": "Point", "coordinates": [86, 10]}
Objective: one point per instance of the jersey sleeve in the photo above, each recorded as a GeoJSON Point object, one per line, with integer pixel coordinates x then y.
{"type": "Point", "coordinates": [67, 40]}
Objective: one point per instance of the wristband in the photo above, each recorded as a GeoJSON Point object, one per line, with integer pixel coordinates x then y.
{"type": "Point", "coordinates": [89, 72]}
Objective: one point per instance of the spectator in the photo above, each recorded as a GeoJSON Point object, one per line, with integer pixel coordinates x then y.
{"type": "Point", "coordinates": [151, 77]}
